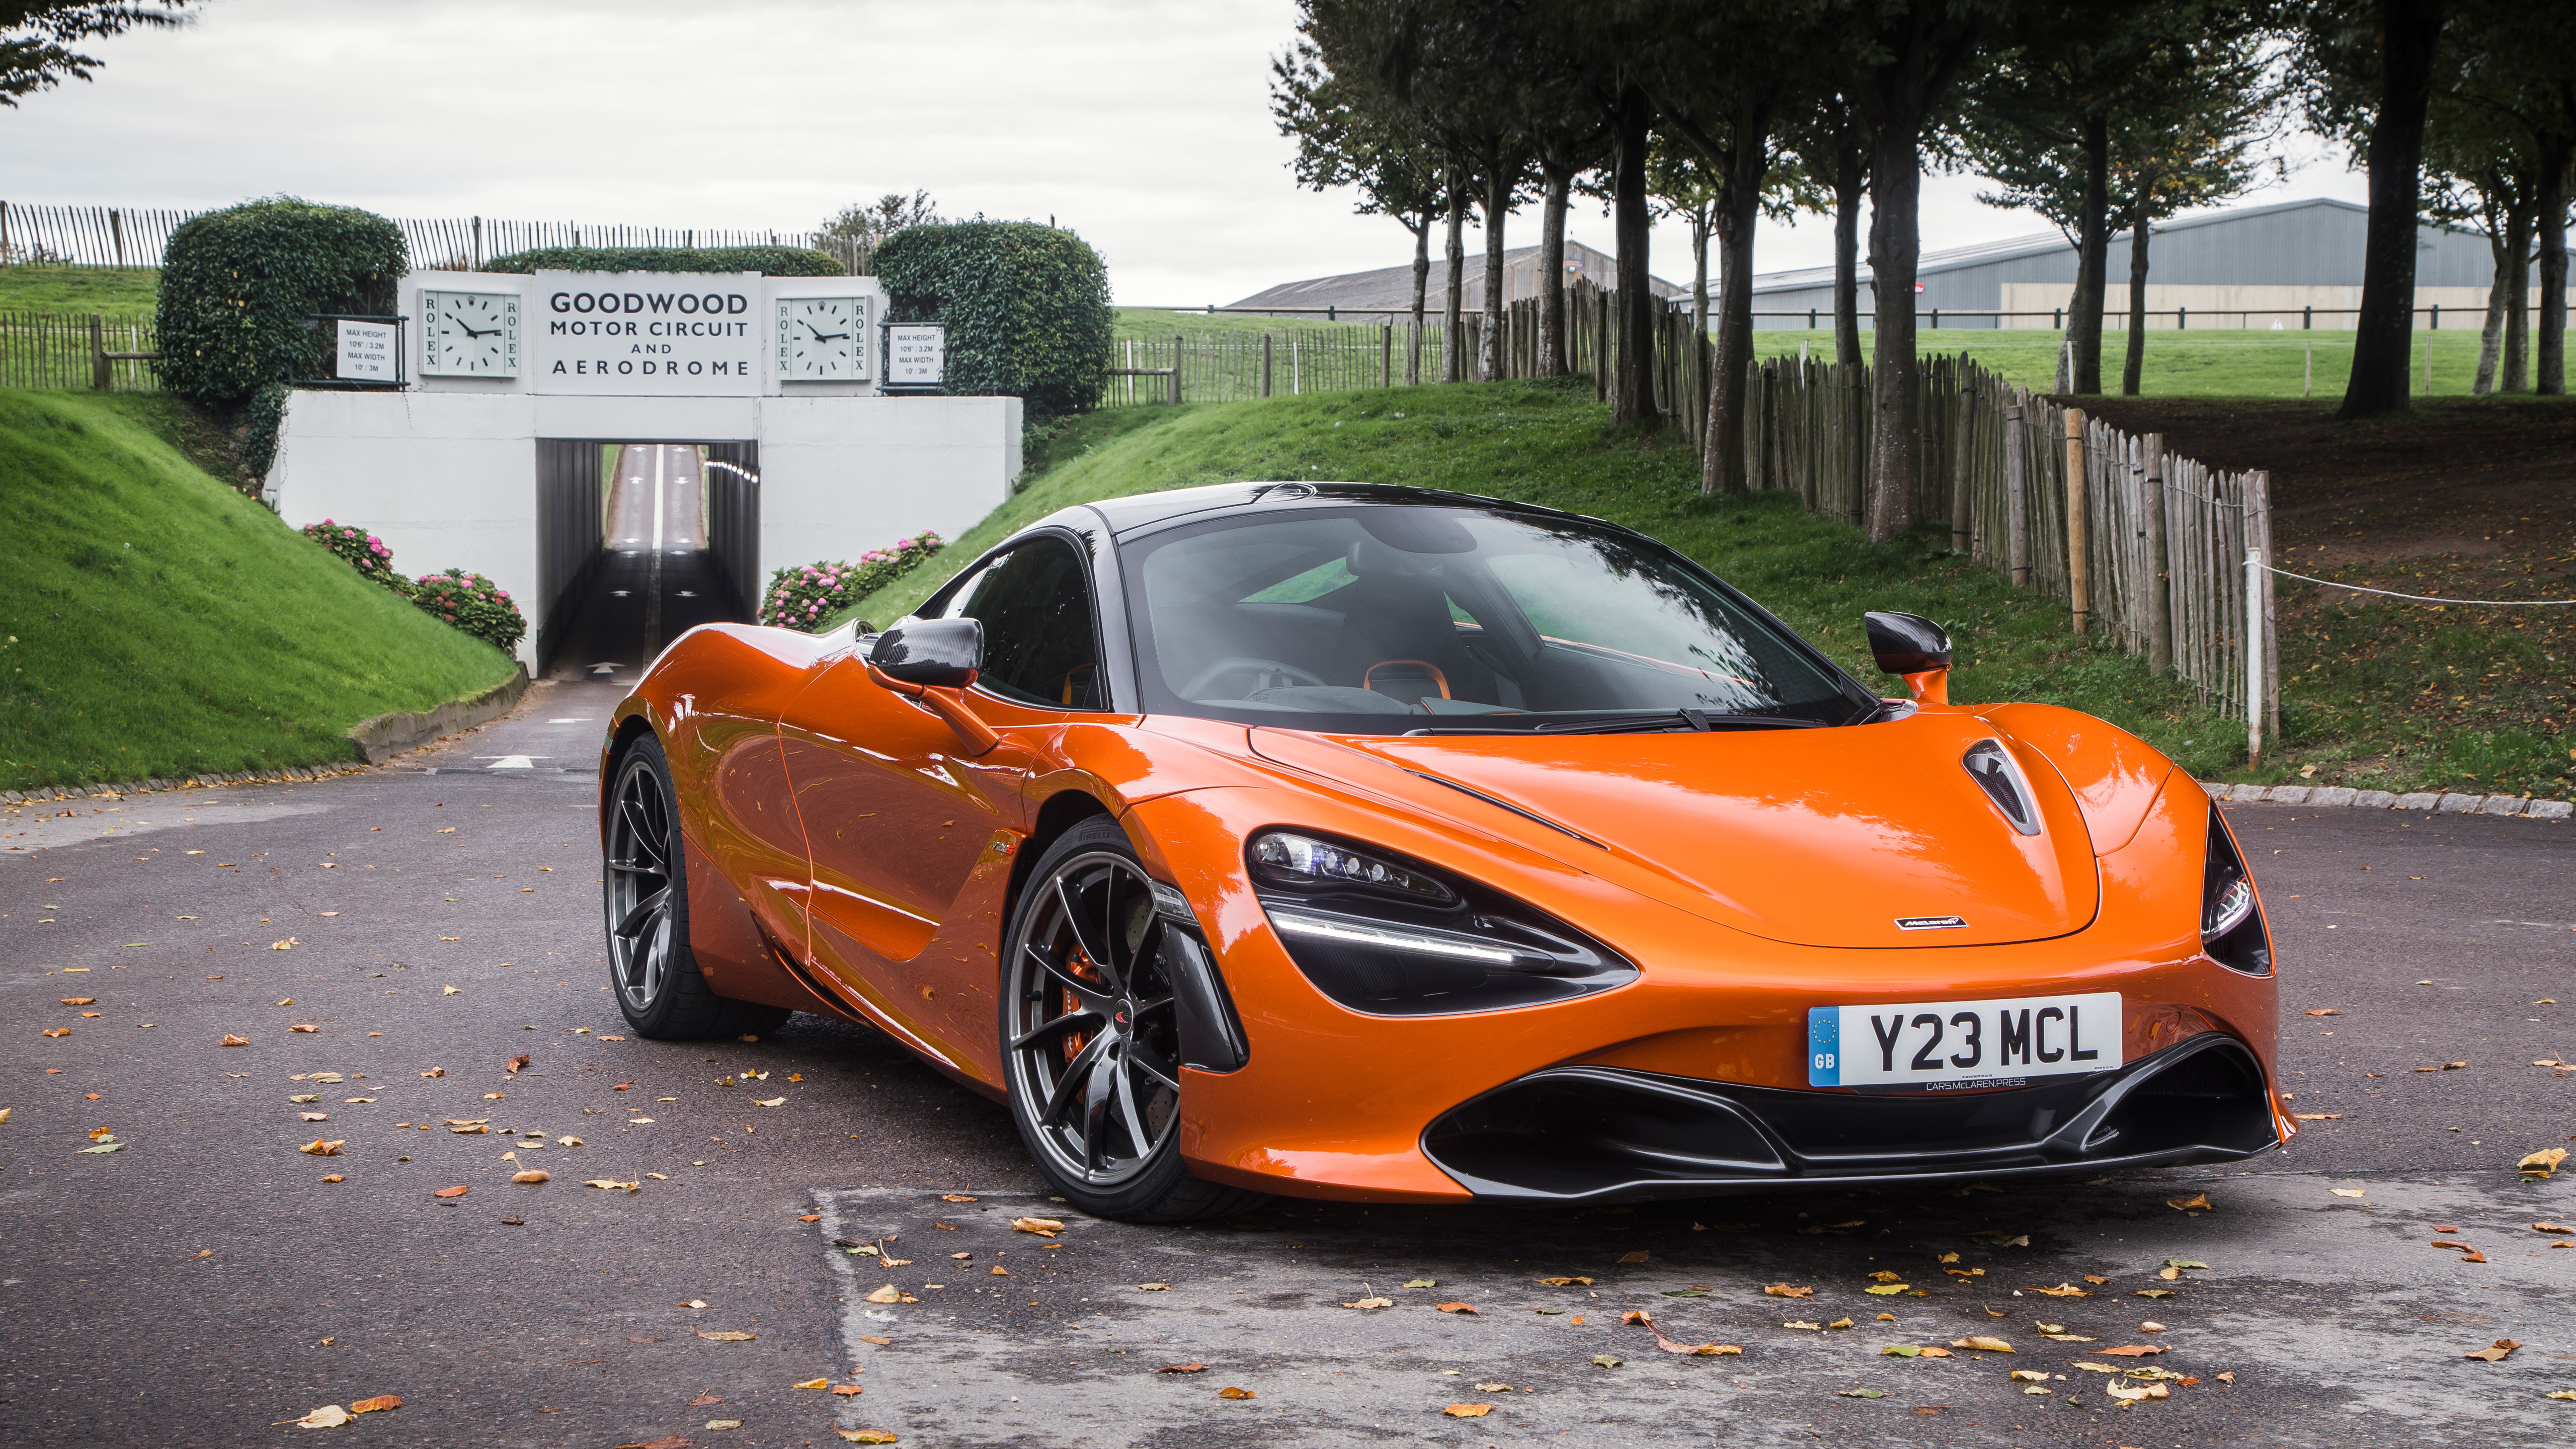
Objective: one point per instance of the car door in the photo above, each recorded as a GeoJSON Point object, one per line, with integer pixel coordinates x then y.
{"type": "Point", "coordinates": [897, 814]}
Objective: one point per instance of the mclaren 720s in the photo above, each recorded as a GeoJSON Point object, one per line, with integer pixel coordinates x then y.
{"type": "Point", "coordinates": [1373, 843]}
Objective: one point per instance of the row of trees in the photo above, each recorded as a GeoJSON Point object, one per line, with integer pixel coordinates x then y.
{"type": "Point", "coordinates": [2103, 115]}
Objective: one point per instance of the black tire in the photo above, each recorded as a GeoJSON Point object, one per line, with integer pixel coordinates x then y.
{"type": "Point", "coordinates": [644, 889]}
{"type": "Point", "coordinates": [1090, 1049]}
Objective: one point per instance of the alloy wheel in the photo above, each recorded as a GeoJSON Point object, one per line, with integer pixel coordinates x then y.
{"type": "Point", "coordinates": [1092, 1036]}
{"type": "Point", "coordinates": [639, 888]}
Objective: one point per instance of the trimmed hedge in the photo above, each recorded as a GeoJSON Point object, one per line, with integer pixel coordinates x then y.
{"type": "Point", "coordinates": [768, 261]}
{"type": "Point", "coordinates": [1026, 307]}
{"type": "Point", "coordinates": [237, 285]}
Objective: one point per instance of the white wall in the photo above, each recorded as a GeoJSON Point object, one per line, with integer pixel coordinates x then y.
{"type": "Point", "coordinates": [445, 471]}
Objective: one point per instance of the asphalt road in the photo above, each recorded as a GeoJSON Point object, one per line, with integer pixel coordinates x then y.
{"type": "Point", "coordinates": [206, 1284]}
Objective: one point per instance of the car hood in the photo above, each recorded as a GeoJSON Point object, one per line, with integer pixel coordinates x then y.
{"type": "Point", "coordinates": [1819, 837]}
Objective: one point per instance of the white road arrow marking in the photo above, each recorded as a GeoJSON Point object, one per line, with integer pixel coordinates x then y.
{"type": "Point", "coordinates": [513, 762]}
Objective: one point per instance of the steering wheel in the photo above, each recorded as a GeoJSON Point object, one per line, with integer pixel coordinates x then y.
{"type": "Point", "coordinates": [1206, 679]}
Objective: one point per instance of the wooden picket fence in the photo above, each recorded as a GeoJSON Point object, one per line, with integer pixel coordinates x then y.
{"type": "Point", "coordinates": [77, 349]}
{"type": "Point", "coordinates": [116, 236]}
{"type": "Point", "coordinates": [2150, 548]}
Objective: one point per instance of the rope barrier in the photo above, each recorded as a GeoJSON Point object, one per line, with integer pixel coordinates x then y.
{"type": "Point", "coordinates": [2428, 599]}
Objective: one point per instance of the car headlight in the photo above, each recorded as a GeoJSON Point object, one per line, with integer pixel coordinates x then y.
{"type": "Point", "coordinates": [2231, 922]}
{"type": "Point", "coordinates": [1393, 937]}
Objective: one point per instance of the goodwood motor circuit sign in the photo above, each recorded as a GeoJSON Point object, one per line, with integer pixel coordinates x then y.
{"type": "Point", "coordinates": [645, 333]}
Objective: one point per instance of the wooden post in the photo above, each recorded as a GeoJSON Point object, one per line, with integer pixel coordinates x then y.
{"type": "Point", "coordinates": [1386, 355]}
{"type": "Point", "coordinates": [2258, 534]}
{"type": "Point", "coordinates": [2159, 568]}
{"type": "Point", "coordinates": [2016, 495]}
{"type": "Point", "coordinates": [2079, 577]}
{"type": "Point", "coordinates": [2254, 577]}
{"type": "Point", "coordinates": [1176, 369]}
{"type": "Point", "coordinates": [116, 225]}
{"type": "Point", "coordinates": [1962, 494]}
{"type": "Point", "coordinates": [1601, 347]}
{"type": "Point", "coordinates": [1265, 364]}
{"type": "Point", "coordinates": [101, 376]}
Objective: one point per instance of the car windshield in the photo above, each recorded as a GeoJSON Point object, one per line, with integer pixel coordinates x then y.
{"type": "Point", "coordinates": [1392, 619]}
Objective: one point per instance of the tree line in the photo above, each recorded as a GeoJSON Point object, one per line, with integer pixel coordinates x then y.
{"type": "Point", "coordinates": [2104, 116]}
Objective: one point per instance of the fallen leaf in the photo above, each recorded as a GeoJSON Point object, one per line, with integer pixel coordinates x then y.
{"type": "Point", "coordinates": [866, 1436]}
{"type": "Point", "coordinates": [533, 1174]}
{"type": "Point", "coordinates": [2153, 1293]}
{"type": "Point", "coordinates": [887, 1294]}
{"type": "Point", "coordinates": [945, 1196]}
{"type": "Point", "coordinates": [105, 1147]}
{"type": "Point", "coordinates": [1473, 1411]}
{"type": "Point", "coordinates": [1607, 1360]}
{"type": "Point", "coordinates": [451, 991]}
{"type": "Point", "coordinates": [2064, 1290]}
{"type": "Point", "coordinates": [821, 1383]}
{"type": "Point", "coordinates": [2128, 1394]}
{"type": "Point", "coordinates": [435, 1072]}
{"type": "Point", "coordinates": [67, 1031]}
{"type": "Point", "coordinates": [2543, 1163]}
{"type": "Point", "coordinates": [613, 1185]}
{"type": "Point", "coordinates": [1182, 1368]}
{"type": "Point", "coordinates": [1982, 1343]}
{"type": "Point", "coordinates": [1840, 1323]}
{"type": "Point", "coordinates": [2197, 1202]}
{"type": "Point", "coordinates": [848, 1390]}
{"type": "Point", "coordinates": [2131, 1350]}
{"type": "Point", "coordinates": [450, 1192]}
{"type": "Point", "coordinates": [319, 1148]}
{"type": "Point", "coordinates": [1566, 1282]}
{"type": "Point", "coordinates": [772, 1102]}
{"type": "Point", "coordinates": [1903, 1350]}
{"type": "Point", "coordinates": [1230, 1392]}
{"type": "Point", "coordinates": [1885, 1289]}
{"type": "Point", "coordinates": [1859, 1394]}
{"type": "Point", "coordinates": [329, 1416]}
{"type": "Point", "coordinates": [1493, 1388]}
{"type": "Point", "coordinates": [2227, 1378]}
{"type": "Point", "coordinates": [2349, 1191]}
{"type": "Point", "coordinates": [2318, 1116]}
{"type": "Point", "coordinates": [2494, 1352]}
{"type": "Point", "coordinates": [1639, 1256]}
{"type": "Point", "coordinates": [2324, 1011]}
{"type": "Point", "coordinates": [2552, 1228]}
{"type": "Point", "coordinates": [1783, 1290]}
{"type": "Point", "coordinates": [1930, 1352]}
{"type": "Point", "coordinates": [2002, 1240]}
{"type": "Point", "coordinates": [726, 1335]}
{"type": "Point", "coordinates": [873, 1338]}
{"type": "Point", "coordinates": [80, 1001]}
{"type": "Point", "coordinates": [234, 1041]}
{"type": "Point", "coordinates": [1422, 1283]}
{"type": "Point", "coordinates": [2467, 1253]}
{"type": "Point", "coordinates": [1043, 1227]}
{"type": "Point", "coordinates": [1154, 1287]}
{"type": "Point", "coordinates": [376, 1405]}
{"type": "Point", "coordinates": [1001, 1273]}
{"type": "Point", "coordinates": [516, 1064]}
{"type": "Point", "coordinates": [1466, 1308]}
{"type": "Point", "coordinates": [1371, 1303]}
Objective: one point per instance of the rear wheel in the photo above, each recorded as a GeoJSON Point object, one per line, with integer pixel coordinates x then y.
{"type": "Point", "coordinates": [645, 889]}
{"type": "Point", "coordinates": [1090, 1044]}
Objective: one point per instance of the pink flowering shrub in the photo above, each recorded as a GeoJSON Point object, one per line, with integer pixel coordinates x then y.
{"type": "Point", "coordinates": [363, 550]}
{"type": "Point", "coordinates": [474, 604]}
{"type": "Point", "coordinates": [805, 597]}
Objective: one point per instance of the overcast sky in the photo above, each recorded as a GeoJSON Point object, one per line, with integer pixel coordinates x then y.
{"type": "Point", "coordinates": [1143, 124]}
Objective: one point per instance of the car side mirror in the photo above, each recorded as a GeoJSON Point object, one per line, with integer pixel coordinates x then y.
{"type": "Point", "coordinates": [931, 653]}
{"type": "Point", "coordinates": [1915, 647]}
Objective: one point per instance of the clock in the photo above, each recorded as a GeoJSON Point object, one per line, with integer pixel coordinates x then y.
{"type": "Point", "coordinates": [823, 339]}
{"type": "Point", "coordinates": [469, 334]}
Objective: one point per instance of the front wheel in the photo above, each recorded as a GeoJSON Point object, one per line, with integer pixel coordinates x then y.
{"type": "Point", "coordinates": [645, 889]}
{"type": "Point", "coordinates": [1090, 1040]}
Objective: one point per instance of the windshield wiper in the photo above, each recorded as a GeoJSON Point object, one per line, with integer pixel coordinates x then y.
{"type": "Point", "coordinates": [1679, 721]}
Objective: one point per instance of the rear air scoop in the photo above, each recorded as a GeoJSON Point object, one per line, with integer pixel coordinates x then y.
{"type": "Point", "coordinates": [1826, 837]}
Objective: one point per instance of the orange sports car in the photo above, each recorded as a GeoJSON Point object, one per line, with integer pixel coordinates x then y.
{"type": "Point", "coordinates": [1362, 842]}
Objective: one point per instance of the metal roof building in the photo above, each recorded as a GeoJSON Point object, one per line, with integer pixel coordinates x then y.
{"type": "Point", "coordinates": [1389, 290]}
{"type": "Point", "coordinates": [2293, 264]}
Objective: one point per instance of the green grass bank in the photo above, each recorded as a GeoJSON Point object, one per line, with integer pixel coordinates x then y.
{"type": "Point", "coordinates": [2343, 718]}
{"type": "Point", "coordinates": [1551, 444]}
{"type": "Point", "coordinates": [125, 292]}
{"type": "Point", "coordinates": [154, 622]}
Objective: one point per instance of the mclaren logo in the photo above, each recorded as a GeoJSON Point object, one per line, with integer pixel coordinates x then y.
{"type": "Point", "coordinates": [1931, 923]}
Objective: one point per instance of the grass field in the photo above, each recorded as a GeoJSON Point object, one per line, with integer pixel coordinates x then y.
{"type": "Point", "coordinates": [2361, 712]}
{"type": "Point", "coordinates": [2192, 363]}
{"type": "Point", "coordinates": [127, 292]}
{"type": "Point", "coordinates": [154, 622]}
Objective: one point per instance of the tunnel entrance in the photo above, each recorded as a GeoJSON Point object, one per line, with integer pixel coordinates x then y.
{"type": "Point", "coordinates": [638, 543]}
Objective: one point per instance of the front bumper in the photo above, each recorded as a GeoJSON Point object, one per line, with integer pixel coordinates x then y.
{"type": "Point", "coordinates": [1607, 1134]}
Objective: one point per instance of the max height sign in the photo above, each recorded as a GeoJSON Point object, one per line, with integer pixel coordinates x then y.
{"type": "Point", "coordinates": [630, 333]}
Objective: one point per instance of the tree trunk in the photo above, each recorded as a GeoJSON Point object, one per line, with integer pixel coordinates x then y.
{"type": "Point", "coordinates": [1552, 359]}
{"type": "Point", "coordinates": [1632, 393]}
{"type": "Point", "coordinates": [2384, 332]}
{"type": "Point", "coordinates": [1895, 246]}
{"type": "Point", "coordinates": [2491, 336]}
{"type": "Point", "coordinates": [1421, 286]}
{"type": "Point", "coordinates": [1453, 339]}
{"type": "Point", "coordinates": [2519, 224]}
{"type": "Point", "coordinates": [1700, 222]}
{"type": "Point", "coordinates": [1848, 187]}
{"type": "Point", "coordinates": [1492, 345]}
{"type": "Point", "coordinates": [2551, 363]}
{"type": "Point", "coordinates": [2092, 258]}
{"type": "Point", "coordinates": [2140, 228]}
{"type": "Point", "coordinates": [1748, 162]}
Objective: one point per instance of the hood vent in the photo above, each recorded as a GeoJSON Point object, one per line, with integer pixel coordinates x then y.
{"type": "Point", "coordinates": [1992, 767]}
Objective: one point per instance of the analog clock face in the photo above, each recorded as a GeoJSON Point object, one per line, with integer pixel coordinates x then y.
{"type": "Point", "coordinates": [470, 334]}
{"type": "Point", "coordinates": [823, 339]}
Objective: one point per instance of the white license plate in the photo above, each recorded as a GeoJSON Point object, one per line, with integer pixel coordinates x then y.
{"type": "Point", "coordinates": [1950, 1045]}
